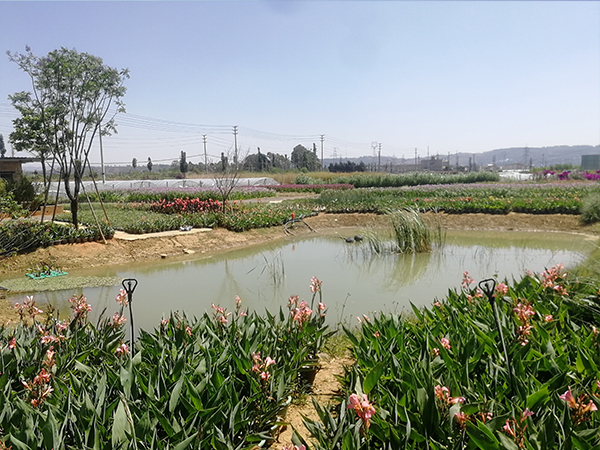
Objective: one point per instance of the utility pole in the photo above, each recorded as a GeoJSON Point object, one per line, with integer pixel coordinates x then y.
{"type": "Point", "coordinates": [416, 161]}
{"type": "Point", "coordinates": [379, 158]}
{"type": "Point", "coordinates": [374, 147]}
{"type": "Point", "coordinates": [205, 158]}
{"type": "Point", "coordinates": [235, 149]}
{"type": "Point", "coordinates": [322, 162]}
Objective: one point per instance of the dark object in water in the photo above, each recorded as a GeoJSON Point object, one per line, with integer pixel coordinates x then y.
{"type": "Point", "coordinates": [350, 240]}
{"type": "Point", "coordinates": [358, 238]}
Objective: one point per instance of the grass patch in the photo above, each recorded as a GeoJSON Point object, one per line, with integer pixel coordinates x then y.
{"type": "Point", "coordinates": [58, 283]}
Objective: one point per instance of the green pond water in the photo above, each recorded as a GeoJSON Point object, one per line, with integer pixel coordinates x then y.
{"type": "Point", "coordinates": [355, 282]}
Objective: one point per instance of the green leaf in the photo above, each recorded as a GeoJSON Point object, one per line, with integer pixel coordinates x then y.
{"type": "Point", "coordinates": [175, 394]}
{"type": "Point", "coordinates": [17, 444]}
{"type": "Point", "coordinates": [126, 379]}
{"type": "Point", "coordinates": [50, 431]}
{"type": "Point", "coordinates": [482, 436]}
{"type": "Point", "coordinates": [535, 399]}
{"type": "Point", "coordinates": [185, 444]}
{"type": "Point", "coordinates": [506, 442]}
{"type": "Point", "coordinates": [120, 425]}
{"type": "Point", "coordinates": [373, 377]}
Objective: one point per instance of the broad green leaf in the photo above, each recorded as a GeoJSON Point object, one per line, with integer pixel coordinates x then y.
{"type": "Point", "coordinates": [482, 436]}
{"type": "Point", "coordinates": [373, 377]}
{"type": "Point", "coordinates": [50, 431]}
{"type": "Point", "coordinates": [126, 379]}
{"type": "Point", "coordinates": [17, 444]}
{"type": "Point", "coordinates": [185, 444]}
{"type": "Point", "coordinates": [175, 394]}
{"type": "Point", "coordinates": [506, 442]}
{"type": "Point", "coordinates": [535, 399]}
{"type": "Point", "coordinates": [120, 425]}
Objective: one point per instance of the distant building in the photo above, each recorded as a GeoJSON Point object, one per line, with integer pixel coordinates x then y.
{"type": "Point", "coordinates": [11, 168]}
{"type": "Point", "coordinates": [434, 164]}
{"type": "Point", "coordinates": [590, 162]}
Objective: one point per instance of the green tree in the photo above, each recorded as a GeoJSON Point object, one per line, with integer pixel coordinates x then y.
{"type": "Point", "coordinates": [134, 163]}
{"type": "Point", "coordinates": [75, 98]}
{"type": "Point", "coordinates": [302, 158]}
{"type": "Point", "coordinates": [183, 164]}
{"type": "Point", "coordinates": [2, 146]}
{"type": "Point", "coordinates": [149, 165]}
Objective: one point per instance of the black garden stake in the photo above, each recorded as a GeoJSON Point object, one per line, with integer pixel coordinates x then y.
{"type": "Point", "coordinates": [129, 284]}
{"type": "Point", "coordinates": [488, 287]}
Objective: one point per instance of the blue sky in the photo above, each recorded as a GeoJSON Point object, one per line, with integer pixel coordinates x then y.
{"type": "Point", "coordinates": [465, 76]}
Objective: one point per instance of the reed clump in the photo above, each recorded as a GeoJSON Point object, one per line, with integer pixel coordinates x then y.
{"type": "Point", "coordinates": [408, 233]}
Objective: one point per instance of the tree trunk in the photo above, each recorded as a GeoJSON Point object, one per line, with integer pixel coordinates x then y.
{"type": "Point", "coordinates": [74, 206]}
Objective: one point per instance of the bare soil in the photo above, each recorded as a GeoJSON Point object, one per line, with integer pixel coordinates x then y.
{"type": "Point", "coordinates": [124, 249]}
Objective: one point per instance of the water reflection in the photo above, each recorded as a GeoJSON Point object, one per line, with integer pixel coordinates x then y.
{"type": "Point", "coordinates": [355, 282]}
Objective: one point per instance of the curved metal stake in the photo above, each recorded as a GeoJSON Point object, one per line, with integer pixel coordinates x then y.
{"type": "Point", "coordinates": [488, 287]}
{"type": "Point", "coordinates": [129, 284]}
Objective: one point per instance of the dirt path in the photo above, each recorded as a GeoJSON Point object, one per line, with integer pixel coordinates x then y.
{"type": "Point", "coordinates": [325, 389]}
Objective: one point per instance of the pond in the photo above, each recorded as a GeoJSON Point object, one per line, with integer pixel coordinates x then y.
{"type": "Point", "coordinates": [355, 282]}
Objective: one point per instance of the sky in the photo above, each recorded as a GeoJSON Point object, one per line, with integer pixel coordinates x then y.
{"type": "Point", "coordinates": [437, 76]}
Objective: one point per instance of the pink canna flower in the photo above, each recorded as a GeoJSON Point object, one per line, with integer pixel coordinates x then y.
{"type": "Point", "coordinates": [445, 343]}
{"type": "Point", "coordinates": [118, 319]}
{"type": "Point", "coordinates": [467, 280]}
{"type": "Point", "coordinates": [502, 289]}
{"type": "Point", "coordinates": [12, 343]}
{"type": "Point", "coordinates": [123, 349]}
{"type": "Point", "coordinates": [315, 285]}
{"type": "Point", "coordinates": [508, 429]}
{"type": "Point", "coordinates": [121, 298]}
{"type": "Point", "coordinates": [364, 409]}
{"type": "Point", "coordinates": [525, 414]}
{"type": "Point", "coordinates": [48, 339]}
{"type": "Point", "coordinates": [568, 397]}
{"type": "Point", "coordinates": [49, 360]}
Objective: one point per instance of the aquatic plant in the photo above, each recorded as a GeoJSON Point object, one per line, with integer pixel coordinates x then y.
{"type": "Point", "coordinates": [409, 233]}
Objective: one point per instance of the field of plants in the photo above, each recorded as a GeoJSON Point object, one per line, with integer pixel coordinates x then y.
{"type": "Point", "coordinates": [496, 365]}
{"type": "Point", "coordinates": [487, 198]}
{"type": "Point", "coordinates": [492, 367]}
{"type": "Point", "coordinates": [220, 381]}
{"type": "Point", "coordinates": [161, 209]}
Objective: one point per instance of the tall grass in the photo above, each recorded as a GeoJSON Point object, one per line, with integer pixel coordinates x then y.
{"type": "Point", "coordinates": [409, 233]}
{"type": "Point", "coordinates": [590, 209]}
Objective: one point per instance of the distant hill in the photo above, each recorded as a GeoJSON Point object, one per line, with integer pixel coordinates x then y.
{"type": "Point", "coordinates": [538, 156]}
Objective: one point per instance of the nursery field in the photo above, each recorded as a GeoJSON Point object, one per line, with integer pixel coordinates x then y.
{"type": "Point", "coordinates": [493, 365]}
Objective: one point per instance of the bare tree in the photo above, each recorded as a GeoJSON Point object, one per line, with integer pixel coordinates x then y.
{"type": "Point", "coordinates": [226, 177]}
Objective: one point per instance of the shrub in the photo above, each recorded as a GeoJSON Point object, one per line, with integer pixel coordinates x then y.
{"type": "Point", "coordinates": [590, 209]}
